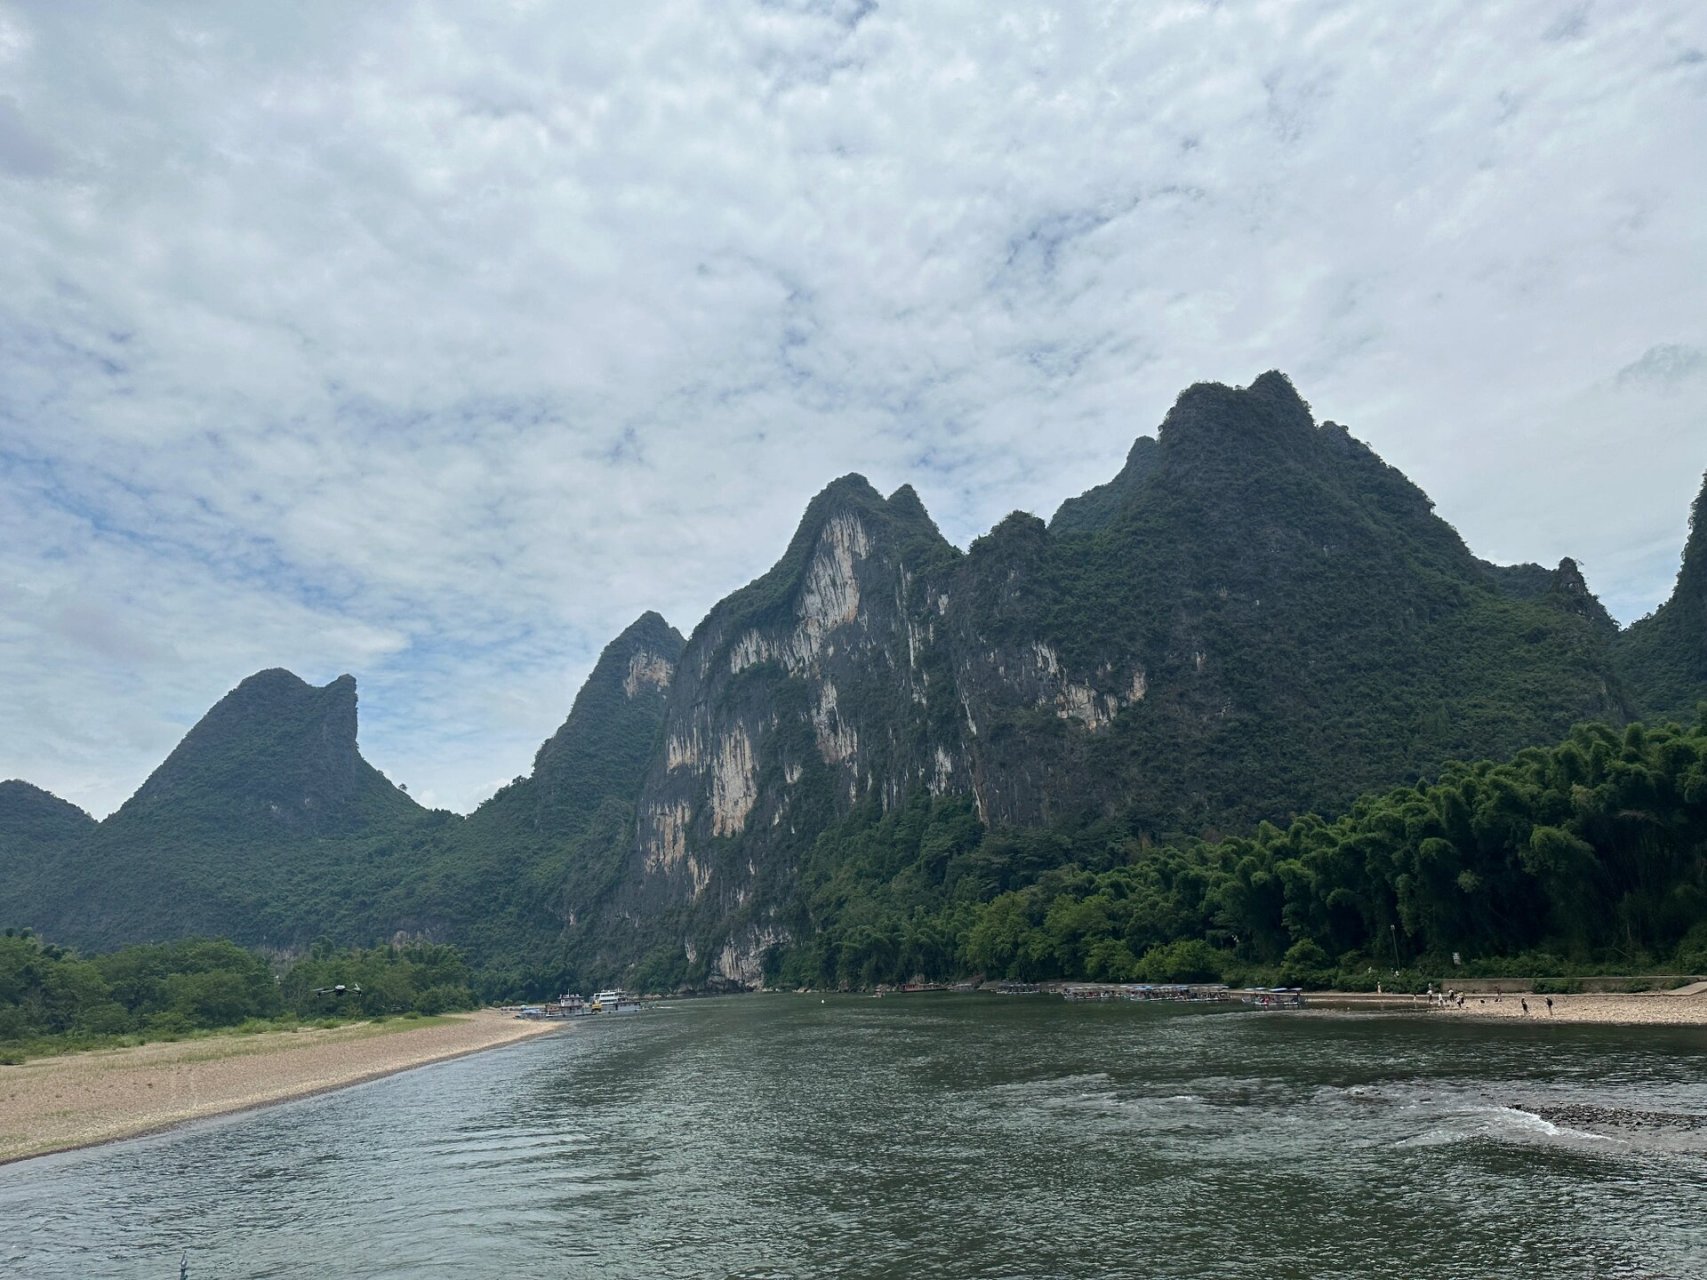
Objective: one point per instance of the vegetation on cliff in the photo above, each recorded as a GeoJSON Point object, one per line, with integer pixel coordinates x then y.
{"type": "Point", "coordinates": [1591, 852]}
{"type": "Point", "coordinates": [1663, 657]}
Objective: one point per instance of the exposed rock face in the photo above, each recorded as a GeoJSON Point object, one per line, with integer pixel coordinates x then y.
{"type": "Point", "coordinates": [1142, 655]}
{"type": "Point", "coordinates": [647, 670]}
{"type": "Point", "coordinates": [789, 703]}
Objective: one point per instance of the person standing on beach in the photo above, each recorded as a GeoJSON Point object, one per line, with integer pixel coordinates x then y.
{"type": "Point", "coordinates": [1525, 1005]}
{"type": "Point", "coordinates": [1549, 1006]}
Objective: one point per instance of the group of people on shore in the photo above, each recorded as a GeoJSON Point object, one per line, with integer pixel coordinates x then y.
{"type": "Point", "coordinates": [1447, 998]}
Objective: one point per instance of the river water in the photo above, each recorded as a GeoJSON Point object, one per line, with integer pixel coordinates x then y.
{"type": "Point", "coordinates": [930, 1136]}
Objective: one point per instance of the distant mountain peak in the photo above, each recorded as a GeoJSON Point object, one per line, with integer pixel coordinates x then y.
{"type": "Point", "coordinates": [1239, 422]}
{"type": "Point", "coordinates": [601, 747]}
{"type": "Point", "coordinates": [1275, 386]}
{"type": "Point", "coordinates": [851, 490]}
{"type": "Point", "coordinates": [1098, 507]}
{"type": "Point", "coordinates": [276, 751]}
{"type": "Point", "coordinates": [650, 647]}
{"type": "Point", "coordinates": [846, 522]}
{"type": "Point", "coordinates": [25, 803]}
{"type": "Point", "coordinates": [1571, 591]}
{"type": "Point", "coordinates": [905, 502]}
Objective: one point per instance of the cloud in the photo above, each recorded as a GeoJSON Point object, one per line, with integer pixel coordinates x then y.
{"type": "Point", "coordinates": [1670, 366]}
{"type": "Point", "coordinates": [436, 344]}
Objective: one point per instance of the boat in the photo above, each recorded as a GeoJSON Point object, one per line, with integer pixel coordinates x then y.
{"type": "Point", "coordinates": [615, 1000]}
{"type": "Point", "coordinates": [1273, 997]}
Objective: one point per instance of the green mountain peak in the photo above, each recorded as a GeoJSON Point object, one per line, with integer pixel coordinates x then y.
{"type": "Point", "coordinates": [1663, 657]}
{"type": "Point", "coordinates": [276, 753]}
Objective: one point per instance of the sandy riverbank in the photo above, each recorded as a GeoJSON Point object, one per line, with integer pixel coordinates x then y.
{"type": "Point", "coordinates": [79, 1099]}
{"type": "Point", "coordinates": [1684, 1007]}
{"type": "Point", "coordinates": [1653, 1008]}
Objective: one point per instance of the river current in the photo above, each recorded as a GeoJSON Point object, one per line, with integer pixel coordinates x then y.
{"type": "Point", "coordinates": [929, 1136]}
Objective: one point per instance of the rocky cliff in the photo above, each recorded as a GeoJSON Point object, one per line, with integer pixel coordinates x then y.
{"type": "Point", "coordinates": [1258, 617]}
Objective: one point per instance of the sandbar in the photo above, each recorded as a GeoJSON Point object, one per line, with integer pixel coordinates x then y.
{"type": "Point", "coordinates": [81, 1099]}
{"type": "Point", "coordinates": [1648, 1008]}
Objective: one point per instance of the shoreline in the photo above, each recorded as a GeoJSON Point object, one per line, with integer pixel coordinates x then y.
{"type": "Point", "coordinates": [89, 1099]}
{"type": "Point", "coordinates": [1682, 1008]}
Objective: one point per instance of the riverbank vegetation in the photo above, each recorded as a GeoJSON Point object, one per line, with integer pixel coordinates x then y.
{"type": "Point", "coordinates": [1583, 858]}
{"type": "Point", "coordinates": [1589, 855]}
{"type": "Point", "coordinates": [53, 1000]}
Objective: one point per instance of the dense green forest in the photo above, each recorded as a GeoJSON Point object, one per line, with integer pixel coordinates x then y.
{"type": "Point", "coordinates": [52, 999]}
{"type": "Point", "coordinates": [1589, 853]}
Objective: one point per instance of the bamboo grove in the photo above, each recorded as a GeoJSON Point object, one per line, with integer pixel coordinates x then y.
{"type": "Point", "coordinates": [1592, 852]}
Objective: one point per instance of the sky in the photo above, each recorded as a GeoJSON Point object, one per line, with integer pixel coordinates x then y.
{"type": "Point", "coordinates": [434, 343]}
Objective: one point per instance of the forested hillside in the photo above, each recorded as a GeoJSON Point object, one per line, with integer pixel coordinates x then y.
{"type": "Point", "coordinates": [1663, 657]}
{"type": "Point", "coordinates": [1257, 619]}
{"type": "Point", "coordinates": [1593, 852]}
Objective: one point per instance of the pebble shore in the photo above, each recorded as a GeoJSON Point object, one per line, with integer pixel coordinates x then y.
{"type": "Point", "coordinates": [82, 1099]}
{"type": "Point", "coordinates": [1658, 1008]}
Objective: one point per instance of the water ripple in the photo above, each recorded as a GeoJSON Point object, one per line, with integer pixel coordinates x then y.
{"type": "Point", "coordinates": [926, 1138]}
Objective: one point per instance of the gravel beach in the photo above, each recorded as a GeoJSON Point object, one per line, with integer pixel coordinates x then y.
{"type": "Point", "coordinates": [80, 1099]}
{"type": "Point", "coordinates": [1686, 1008]}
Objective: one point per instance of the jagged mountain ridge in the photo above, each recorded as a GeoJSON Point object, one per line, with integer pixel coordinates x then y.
{"type": "Point", "coordinates": [1257, 616]}
{"type": "Point", "coordinates": [1209, 640]}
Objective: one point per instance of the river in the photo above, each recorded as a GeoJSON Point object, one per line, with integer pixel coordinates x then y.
{"type": "Point", "coordinates": [929, 1136]}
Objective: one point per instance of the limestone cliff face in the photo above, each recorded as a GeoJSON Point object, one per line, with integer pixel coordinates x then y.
{"type": "Point", "coordinates": [1259, 616]}
{"type": "Point", "coordinates": [796, 698]}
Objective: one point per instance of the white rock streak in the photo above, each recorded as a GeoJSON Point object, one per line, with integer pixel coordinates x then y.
{"type": "Point", "coordinates": [647, 670]}
{"type": "Point", "coordinates": [734, 783]}
{"type": "Point", "coordinates": [1082, 702]}
{"type": "Point", "coordinates": [837, 739]}
{"type": "Point", "coordinates": [668, 845]}
{"type": "Point", "coordinates": [829, 598]}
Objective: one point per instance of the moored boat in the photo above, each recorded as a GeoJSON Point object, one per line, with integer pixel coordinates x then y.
{"type": "Point", "coordinates": [615, 1000]}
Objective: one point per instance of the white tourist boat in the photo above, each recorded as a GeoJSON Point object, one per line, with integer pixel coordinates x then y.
{"type": "Point", "coordinates": [615, 1000]}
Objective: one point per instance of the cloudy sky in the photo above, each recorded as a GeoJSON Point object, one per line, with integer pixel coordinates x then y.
{"type": "Point", "coordinates": [435, 342]}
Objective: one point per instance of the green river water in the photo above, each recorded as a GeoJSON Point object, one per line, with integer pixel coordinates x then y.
{"type": "Point", "coordinates": [930, 1136]}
